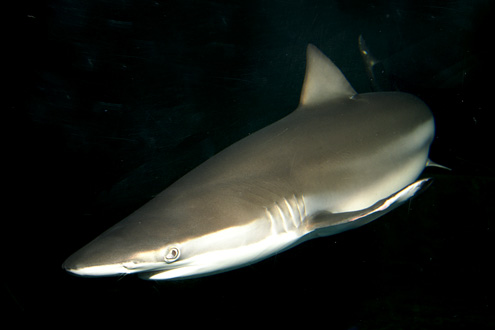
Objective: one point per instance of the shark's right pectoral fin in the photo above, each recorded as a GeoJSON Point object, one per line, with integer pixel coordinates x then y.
{"type": "Point", "coordinates": [328, 223]}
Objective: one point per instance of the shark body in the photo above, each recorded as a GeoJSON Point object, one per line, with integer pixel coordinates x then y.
{"type": "Point", "coordinates": [339, 161]}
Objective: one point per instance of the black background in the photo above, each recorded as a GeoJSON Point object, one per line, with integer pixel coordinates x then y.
{"type": "Point", "coordinates": [110, 101]}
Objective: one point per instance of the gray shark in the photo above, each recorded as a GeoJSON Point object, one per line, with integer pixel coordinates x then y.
{"type": "Point", "coordinates": [339, 161]}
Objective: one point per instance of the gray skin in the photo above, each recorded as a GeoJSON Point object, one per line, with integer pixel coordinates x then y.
{"type": "Point", "coordinates": [340, 160]}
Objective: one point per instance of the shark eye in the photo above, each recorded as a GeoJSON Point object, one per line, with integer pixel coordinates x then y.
{"type": "Point", "coordinates": [173, 253]}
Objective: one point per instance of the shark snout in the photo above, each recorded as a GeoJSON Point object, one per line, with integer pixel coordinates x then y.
{"type": "Point", "coordinates": [90, 262]}
{"type": "Point", "coordinates": [109, 256]}
{"type": "Point", "coordinates": [83, 267]}
{"type": "Point", "coordinates": [101, 270]}
{"type": "Point", "coordinates": [96, 260]}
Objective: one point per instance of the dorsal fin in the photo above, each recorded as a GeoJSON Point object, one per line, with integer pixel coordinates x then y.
{"type": "Point", "coordinates": [323, 81]}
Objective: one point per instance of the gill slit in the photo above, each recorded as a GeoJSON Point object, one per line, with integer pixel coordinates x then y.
{"type": "Point", "coordinates": [294, 208]}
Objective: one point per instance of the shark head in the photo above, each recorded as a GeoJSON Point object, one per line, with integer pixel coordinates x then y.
{"type": "Point", "coordinates": [182, 235]}
{"type": "Point", "coordinates": [111, 254]}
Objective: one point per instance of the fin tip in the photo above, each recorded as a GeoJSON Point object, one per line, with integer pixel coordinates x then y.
{"type": "Point", "coordinates": [430, 163]}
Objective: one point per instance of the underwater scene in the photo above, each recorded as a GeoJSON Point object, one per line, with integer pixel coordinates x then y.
{"type": "Point", "coordinates": [113, 101]}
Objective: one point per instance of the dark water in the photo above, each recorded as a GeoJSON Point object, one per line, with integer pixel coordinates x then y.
{"type": "Point", "coordinates": [114, 100]}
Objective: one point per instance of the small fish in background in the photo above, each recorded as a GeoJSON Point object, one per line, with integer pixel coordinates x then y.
{"type": "Point", "coordinates": [339, 161]}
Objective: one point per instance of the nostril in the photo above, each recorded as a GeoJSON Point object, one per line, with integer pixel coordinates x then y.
{"type": "Point", "coordinates": [129, 265]}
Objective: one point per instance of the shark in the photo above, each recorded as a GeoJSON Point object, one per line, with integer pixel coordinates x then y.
{"type": "Point", "coordinates": [340, 160]}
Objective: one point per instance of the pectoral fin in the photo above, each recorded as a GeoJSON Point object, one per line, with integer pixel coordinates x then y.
{"type": "Point", "coordinates": [328, 223]}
